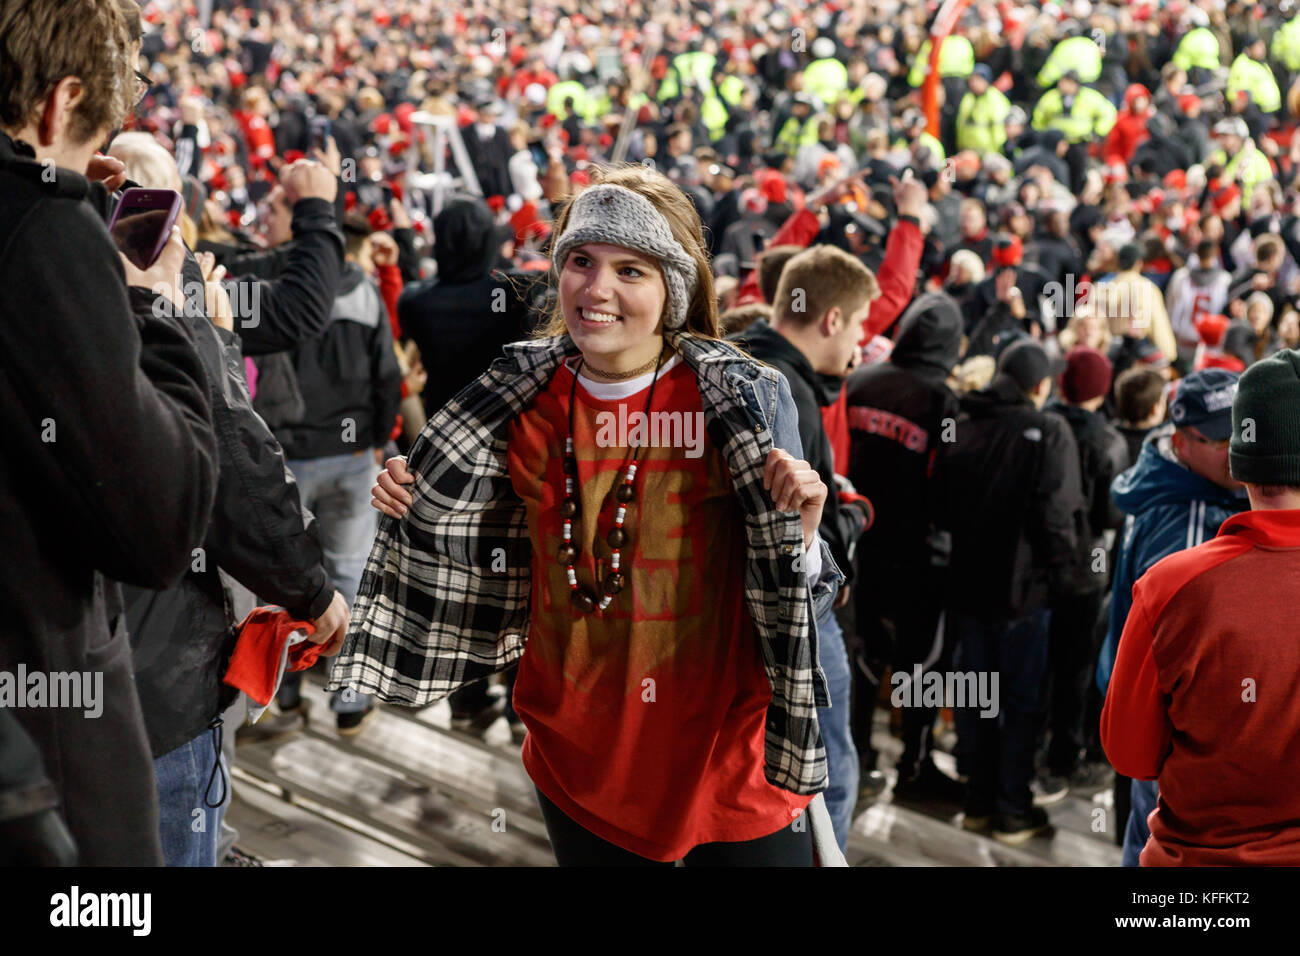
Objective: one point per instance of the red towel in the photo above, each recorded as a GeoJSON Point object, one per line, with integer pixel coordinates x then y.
{"type": "Point", "coordinates": [255, 665]}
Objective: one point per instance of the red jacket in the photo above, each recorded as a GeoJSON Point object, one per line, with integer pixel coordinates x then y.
{"type": "Point", "coordinates": [897, 280]}
{"type": "Point", "coordinates": [1203, 697]}
{"type": "Point", "coordinates": [896, 276]}
{"type": "Point", "coordinates": [1130, 129]}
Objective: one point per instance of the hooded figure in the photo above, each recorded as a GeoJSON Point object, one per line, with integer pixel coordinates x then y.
{"type": "Point", "coordinates": [897, 412]}
{"type": "Point", "coordinates": [1130, 127]}
{"type": "Point", "coordinates": [457, 319]}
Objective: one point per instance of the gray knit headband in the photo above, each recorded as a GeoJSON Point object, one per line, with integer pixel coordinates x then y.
{"type": "Point", "coordinates": [621, 217]}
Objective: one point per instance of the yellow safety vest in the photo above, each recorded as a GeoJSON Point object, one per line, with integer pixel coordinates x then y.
{"type": "Point", "coordinates": [1257, 80]}
{"type": "Point", "coordinates": [1200, 48]}
{"type": "Point", "coordinates": [956, 58]}
{"type": "Point", "coordinates": [982, 121]}
{"type": "Point", "coordinates": [1091, 115]}
{"type": "Point", "coordinates": [1079, 54]}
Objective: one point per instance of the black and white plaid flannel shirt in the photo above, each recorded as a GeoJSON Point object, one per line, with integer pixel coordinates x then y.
{"type": "Point", "coordinates": [445, 596]}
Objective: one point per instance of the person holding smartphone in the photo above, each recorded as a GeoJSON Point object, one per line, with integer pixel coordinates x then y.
{"type": "Point", "coordinates": [109, 457]}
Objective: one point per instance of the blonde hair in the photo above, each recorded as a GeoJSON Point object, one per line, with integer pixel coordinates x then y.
{"type": "Point", "coordinates": [973, 374]}
{"type": "Point", "coordinates": [969, 261]}
{"type": "Point", "coordinates": [147, 161]}
{"type": "Point", "coordinates": [1071, 335]}
{"type": "Point", "coordinates": [828, 277]}
{"type": "Point", "coordinates": [683, 220]}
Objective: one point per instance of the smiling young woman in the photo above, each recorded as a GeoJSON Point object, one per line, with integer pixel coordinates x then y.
{"type": "Point", "coordinates": [660, 602]}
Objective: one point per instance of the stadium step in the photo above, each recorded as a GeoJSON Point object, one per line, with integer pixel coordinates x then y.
{"type": "Point", "coordinates": [410, 791]}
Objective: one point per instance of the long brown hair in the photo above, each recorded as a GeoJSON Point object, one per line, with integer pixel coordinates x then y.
{"type": "Point", "coordinates": [683, 220]}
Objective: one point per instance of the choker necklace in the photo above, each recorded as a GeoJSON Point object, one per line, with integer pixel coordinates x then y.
{"type": "Point", "coordinates": [622, 376]}
{"type": "Point", "coordinates": [581, 596]}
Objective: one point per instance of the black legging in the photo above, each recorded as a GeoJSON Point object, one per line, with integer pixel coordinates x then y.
{"type": "Point", "coordinates": [575, 845]}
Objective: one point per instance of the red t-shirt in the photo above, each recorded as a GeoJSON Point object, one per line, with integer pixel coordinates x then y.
{"type": "Point", "coordinates": [645, 721]}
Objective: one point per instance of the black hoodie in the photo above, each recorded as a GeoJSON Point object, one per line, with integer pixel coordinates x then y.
{"type": "Point", "coordinates": [897, 412]}
{"type": "Point", "coordinates": [347, 374]}
{"type": "Point", "coordinates": [1008, 489]}
{"type": "Point", "coordinates": [461, 319]}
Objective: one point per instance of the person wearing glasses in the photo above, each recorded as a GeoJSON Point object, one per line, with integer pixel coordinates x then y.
{"type": "Point", "coordinates": [1175, 497]}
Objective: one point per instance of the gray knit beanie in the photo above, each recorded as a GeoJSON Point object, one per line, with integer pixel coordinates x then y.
{"type": "Point", "coordinates": [1265, 448]}
{"type": "Point", "coordinates": [621, 217]}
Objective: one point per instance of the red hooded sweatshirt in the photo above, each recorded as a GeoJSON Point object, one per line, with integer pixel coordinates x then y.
{"type": "Point", "coordinates": [1203, 697]}
{"type": "Point", "coordinates": [1130, 129]}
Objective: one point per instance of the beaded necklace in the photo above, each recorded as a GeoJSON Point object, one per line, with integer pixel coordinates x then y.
{"type": "Point", "coordinates": [581, 596]}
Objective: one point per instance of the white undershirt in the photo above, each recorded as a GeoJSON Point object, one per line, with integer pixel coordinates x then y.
{"type": "Point", "coordinates": [614, 391]}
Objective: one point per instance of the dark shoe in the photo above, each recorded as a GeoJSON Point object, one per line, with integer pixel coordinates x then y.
{"type": "Point", "coordinates": [270, 728]}
{"type": "Point", "coordinates": [478, 722]}
{"type": "Point", "coordinates": [930, 785]}
{"type": "Point", "coordinates": [871, 784]}
{"type": "Point", "coordinates": [977, 820]}
{"type": "Point", "coordinates": [1015, 829]}
{"type": "Point", "coordinates": [350, 725]}
{"type": "Point", "coordinates": [1048, 789]}
{"type": "Point", "coordinates": [237, 857]}
{"type": "Point", "coordinates": [1093, 775]}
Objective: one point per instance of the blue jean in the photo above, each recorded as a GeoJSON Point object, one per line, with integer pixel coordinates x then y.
{"type": "Point", "coordinates": [336, 489]}
{"type": "Point", "coordinates": [837, 737]}
{"type": "Point", "coordinates": [1144, 794]}
{"type": "Point", "coordinates": [999, 751]}
{"type": "Point", "coordinates": [189, 828]}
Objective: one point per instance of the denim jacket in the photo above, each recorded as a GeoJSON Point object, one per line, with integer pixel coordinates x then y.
{"type": "Point", "coordinates": [446, 593]}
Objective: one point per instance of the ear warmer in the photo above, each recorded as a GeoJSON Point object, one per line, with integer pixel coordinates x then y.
{"type": "Point", "coordinates": [621, 217]}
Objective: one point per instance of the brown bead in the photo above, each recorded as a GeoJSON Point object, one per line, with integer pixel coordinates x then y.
{"type": "Point", "coordinates": [569, 508]}
{"type": "Point", "coordinates": [567, 554]}
{"type": "Point", "coordinates": [624, 493]}
{"type": "Point", "coordinates": [617, 537]}
{"type": "Point", "coordinates": [570, 465]}
{"type": "Point", "coordinates": [613, 583]}
{"type": "Point", "coordinates": [583, 600]}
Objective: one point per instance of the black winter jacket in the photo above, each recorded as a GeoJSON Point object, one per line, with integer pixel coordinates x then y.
{"type": "Point", "coordinates": [841, 526]}
{"type": "Point", "coordinates": [259, 533]}
{"type": "Point", "coordinates": [1103, 454]}
{"type": "Point", "coordinates": [108, 468]}
{"type": "Point", "coordinates": [461, 320]}
{"type": "Point", "coordinates": [283, 296]}
{"type": "Point", "coordinates": [350, 380]}
{"type": "Point", "coordinates": [898, 412]}
{"type": "Point", "coordinates": [1008, 490]}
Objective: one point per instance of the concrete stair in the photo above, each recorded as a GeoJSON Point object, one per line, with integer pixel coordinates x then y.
{"type": "Point", "coordinates": [409, 791]}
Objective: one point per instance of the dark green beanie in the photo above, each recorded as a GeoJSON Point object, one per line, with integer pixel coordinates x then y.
{"type": "Point", "coordinates": [1265, 448]}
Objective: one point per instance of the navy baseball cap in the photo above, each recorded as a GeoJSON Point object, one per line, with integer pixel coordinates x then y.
{"type": "Point", "coordinates": [1203, 400]}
